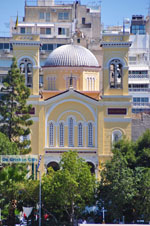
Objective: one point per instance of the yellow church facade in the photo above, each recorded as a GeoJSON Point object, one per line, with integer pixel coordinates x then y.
{"type": "Point", "coordinates": [82, 106]}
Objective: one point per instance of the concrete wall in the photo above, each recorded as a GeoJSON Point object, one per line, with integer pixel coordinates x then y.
{"type": "Point", "coordinates": [140, 123]}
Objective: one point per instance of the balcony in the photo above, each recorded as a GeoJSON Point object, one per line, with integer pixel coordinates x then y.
{"type": "Point", "coordinates": [88, 25]}
{"type": "Point", "coordinates": [142, 90]}
{"type": "Point", "coordinates": [141, 104]}
{"type": "Point", "coordinates": [138, 76]}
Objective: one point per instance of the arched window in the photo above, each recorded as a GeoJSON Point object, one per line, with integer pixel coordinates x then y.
{"type": "Point", "coordinates": [61, 134]}
{"type": "Point", "coordinates": [73, 80]}
{"type": "Point", "coordinates": [80, 135]}
{"type": "Point", "coordinates": [26, 68]}
{"type": "Point", "coordinates": [88, 84]}
{"type": "Point", "coordinates": [115, 74]}
{"type": "Point", "coordinates": [51, 134]}
{"type": "Point", "coordinates": [93, 84]}
{"type": "Point", "coordinates": [70, 133]}
{"type": "Point", "coordinates": [116, 136]}
{"type": "Point", "coordinates": [92, 167]}
{"type": "Point", "coordinates": [54, 165]}
{"type": "Point", "coordinates": [90, 134]}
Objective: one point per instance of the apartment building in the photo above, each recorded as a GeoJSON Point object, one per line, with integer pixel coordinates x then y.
{"type": "Point", "coordinates": [139, 73]}
{"type": "Point", "coordinates": [139, 66]}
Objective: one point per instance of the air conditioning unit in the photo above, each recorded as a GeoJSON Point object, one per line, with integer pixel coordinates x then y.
{"type": "Point", "coordinates": [42, 52]}
{"type": "Point", "coordinates": [7, 51]}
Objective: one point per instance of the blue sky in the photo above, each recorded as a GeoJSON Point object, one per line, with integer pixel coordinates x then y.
{"type": "Point", "coordinates": [113, 11]}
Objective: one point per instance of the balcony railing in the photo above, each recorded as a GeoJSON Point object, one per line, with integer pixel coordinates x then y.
{"type": "Point", "coordinates": [138, 76]}
{"type": "Point", "coordinates": [139, 90]}
{"type": "Point", "coordinates": [146, 63]}
{"type": "Point", "coordinates": [141, 104]}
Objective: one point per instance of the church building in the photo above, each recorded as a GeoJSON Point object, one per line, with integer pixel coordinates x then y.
{"type": "Point", "coordinates": [82, 106]}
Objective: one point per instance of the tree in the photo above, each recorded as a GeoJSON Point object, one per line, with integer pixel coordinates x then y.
{"type": "Point", "coordinates": [10, 176]}
{"type": "Point", "coordinates": [68, 191]}
{"type": "Point", "coordinates": [15, 117]}
{"type": "Point", "coordinates": [125, 181]}
{"type": "Point", "coordinates": [7, 147]}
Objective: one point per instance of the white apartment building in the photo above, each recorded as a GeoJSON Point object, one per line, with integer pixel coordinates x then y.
{"type": "Point", "coordinates": [139, 72]}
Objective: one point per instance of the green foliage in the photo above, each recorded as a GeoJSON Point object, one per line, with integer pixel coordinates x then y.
{"type": "Point", "coordinates": [67, 191]}
{"type": "Point", "coordinates": [28, 194]}
{"type": "Point", "coordinates": [10, 177]}
{"type": "Point", "coordinates": [125, 181]}
{"type": "Point", "coordinates": [7, 147]}
{"type": "Point", "coordinates": [15, 117]}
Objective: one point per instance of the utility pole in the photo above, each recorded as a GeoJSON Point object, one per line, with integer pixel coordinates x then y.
{"type": "Point", "coordinates": [40, 201]}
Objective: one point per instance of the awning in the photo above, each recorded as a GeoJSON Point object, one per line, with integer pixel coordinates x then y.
{"type": "Point", "coordinates": [36, 25]}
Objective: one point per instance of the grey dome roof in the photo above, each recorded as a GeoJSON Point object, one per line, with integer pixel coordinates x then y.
{"type": "Point", "coordinates": [71, 55]}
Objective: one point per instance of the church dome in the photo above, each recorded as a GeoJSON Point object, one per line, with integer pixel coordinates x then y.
{"type": "Point", "coordinates": [71, 55]}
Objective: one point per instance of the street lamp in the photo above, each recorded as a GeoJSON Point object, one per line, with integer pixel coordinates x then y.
{"type": "Point", "coordinates": [103, 211]}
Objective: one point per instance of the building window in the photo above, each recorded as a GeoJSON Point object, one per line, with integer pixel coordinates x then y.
{"type": "Point", "coordinates": [41, 15]}
{"type": "Point", "coordinates": [61, 134]}
{"type": "Point", "coordinates": [63, 16]}
{"type": "Point", "coordinates": [74, 82]}
{"type": "Point", "coordinates": [61, 31]}
{"type": "Point", "coordinates": [2, 78]}
{"type": "Point", "coordinates": [80, 135]}
{"type": "Point", "coordinates": [115, 74]}
{"type": "Point", "coordinates": [90, 83]}
{"type": "Point", "coordinates": [140, 101]}
{"type": "Point", "coordinates": [54, 165]}
{"type": "Point", "coordinates": [83, 20]}
{"type": "Point", "coordinates": [70, 133]}
{"type": "Point", "coordinates": [47, 47]}
{"type": "Point", "coordinates": [138, 29]}
{"type": "Point", "coordinates": [47, 17]}
{"type": "Point", "coordinates": [26, 68]}
{"type": "Point", "coordinates": [51, 134]}
{"type": "Point", "coordinates": [45, 31]}
{"type": "Point", "coordinates": [90, 134]}
{"type": "Point", "coordinates": [116, 136]}
{"type": "Point", "coordinates": [48, 31]}
{"type": "Point", "coordinates": [78, 40]}
{"type": "Point", "coordinates": [51, 83]}
{"type": "Point", "coordinates": [22, 30]}
{"type": "Point", "coordinates": [29, 30]}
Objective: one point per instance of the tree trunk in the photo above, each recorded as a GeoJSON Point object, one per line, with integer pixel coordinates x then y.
{"type": "Point", "coordinates": [11, 217]}
{"type": "Point", "coordinates": [72, 214]}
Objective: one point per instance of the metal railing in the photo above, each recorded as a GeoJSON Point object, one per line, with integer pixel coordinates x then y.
{"type": "Point", "coordinates": [139, 76]}
{"type": "Point", "coordinates": [139, 90]}
{"type": "Point", "coordinates": [141, 104]}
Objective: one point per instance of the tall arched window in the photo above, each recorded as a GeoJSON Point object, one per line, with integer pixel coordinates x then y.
{"type": "Point", "coordinates": [115, 74]}
{"type": "Point", "coordinates": [70, 133]}
{"type": "Point", "coordinates": [88, 84]}
{"type": "Point", "coordinates": [116, 136]}
{"type": "Point", "coordinates": [51, 134]}
{"type": "Point", "coordinates": [80, 135]}
{"type": "Point", "coordinates": [93, 84]}
{"type": "Point", "coordinates": [26, 68]}
{"type": "Point", "coordinates": [90, 134]}
{"type": "Point", "coordinates": [61, 134]}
